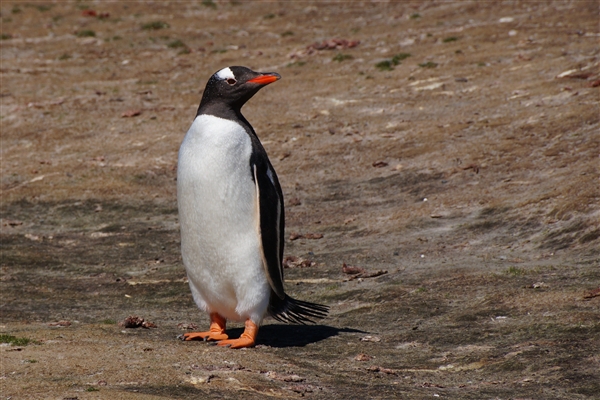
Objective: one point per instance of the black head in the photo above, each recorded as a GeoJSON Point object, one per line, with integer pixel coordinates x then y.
{"type": "Point", "coordinates": [232, 87]}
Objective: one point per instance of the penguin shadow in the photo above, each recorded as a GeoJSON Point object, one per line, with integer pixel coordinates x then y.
{"type": "Point", "coordinates": [293, 335]}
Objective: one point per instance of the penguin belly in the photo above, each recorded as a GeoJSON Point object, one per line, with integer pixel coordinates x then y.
{"type": "Point", "coordinates": [218, 215]}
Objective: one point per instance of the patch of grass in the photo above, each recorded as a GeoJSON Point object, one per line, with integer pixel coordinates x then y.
{"type": "Point", "coordinates": [296, 64]}
{"type": "Point", "coordinates": [15, 10]}
{"type": "Point", "coordinates": [108, 321]}
{"type": "Point", "coordinates": [415, 16]}
{"type": "Point", "coordinates": [14, 341]}
{"type": "Point", "coordinates": [92, 389]}
{"type": "Point", "coordinates": [64, 56]}
{"type": "Point", "coordinates": [515, 271]}
{"type": "Point", "coordinates": [6, 36]}
{"type": "Point", "coordinates": [116, 37]}
{"type": "Point", "coordinates": [421, 290]}
{"type": "Point", "coordinates": [176, 44]}
{"type": "Point", "coordinates": [269, 16]}
{"type": "Point", "coordinates": [43, 7]}
{"type": "Point", "coordinates": [342, 57]}
{"type": "Point", "coordinates": [481, 64]}
{"type": "Point", "coordinates": [31, 361]}
{"type": "Point", "coordinates": [388, 65]}
{"type": "Point", "coordinates": [428, 64]}
{"type": "Point", "coordinates": [86, 33]}
{"type": "Point", "coordinates": [155, 25]}
{"type": "Point", "coordinates": [287, 33]}
{"type": "Point", "coordinates": [209, 4]}
{"type": "Point", "coordinates": [385, 65]}
{"type": "Point", "coordinates": [450, 39]}
{"type": "Point", "coordinates": [399, 57]}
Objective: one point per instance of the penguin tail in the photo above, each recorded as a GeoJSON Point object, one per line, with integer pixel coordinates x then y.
{"type": "Point", "coordinates": [294, 311]}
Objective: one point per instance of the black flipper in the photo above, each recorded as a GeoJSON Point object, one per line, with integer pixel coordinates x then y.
{"type": "Point", "coordinates": [271, 220]}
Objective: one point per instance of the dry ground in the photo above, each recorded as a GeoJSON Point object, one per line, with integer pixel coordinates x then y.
{"type": "Point", "coordinates": [467, 168]}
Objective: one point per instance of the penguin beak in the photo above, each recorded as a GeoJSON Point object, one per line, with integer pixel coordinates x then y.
{"type": "Point", "coordinates": [266, 78]}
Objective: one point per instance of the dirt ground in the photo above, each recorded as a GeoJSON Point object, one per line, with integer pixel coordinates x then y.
{"type": "Point", "coordinates": [449, 149]}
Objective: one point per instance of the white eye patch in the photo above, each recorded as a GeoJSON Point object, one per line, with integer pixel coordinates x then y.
{"type": "Point", "coordinates": [225, 73]}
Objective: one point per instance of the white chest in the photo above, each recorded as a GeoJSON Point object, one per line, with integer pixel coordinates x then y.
{"type": "Point", "coordinates": [215, 191]}
{"type": "Point", "coordinates": [217, 203]}
{"type": "Point", "coordinates": [215, 151]}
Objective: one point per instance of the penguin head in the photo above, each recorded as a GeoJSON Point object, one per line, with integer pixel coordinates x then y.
{"type": "Point", "coordinates": [234, 86]}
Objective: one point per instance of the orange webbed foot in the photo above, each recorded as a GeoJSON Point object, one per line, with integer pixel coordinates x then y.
{"type": "Point", "coordinates": [216, 331]}
{"type": "Point", "coordinates": [237, 343]}
{"type": "Point", "coordinates": [207, 336]}
{"type": "Point", "coordinates": [247, 339]}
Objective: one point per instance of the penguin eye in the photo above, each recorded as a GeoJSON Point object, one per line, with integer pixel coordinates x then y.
{"type": "Point", "coordinates": [231, 81]}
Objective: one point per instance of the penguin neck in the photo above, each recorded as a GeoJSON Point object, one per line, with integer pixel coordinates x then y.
{"type": "Point", "coordinates": [223, 110]}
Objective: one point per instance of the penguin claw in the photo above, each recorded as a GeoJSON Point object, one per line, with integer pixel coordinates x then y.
{"type": "Point", "coordinates": [205, 336]}
{"type": "Point", "coordinates": [236, 343]}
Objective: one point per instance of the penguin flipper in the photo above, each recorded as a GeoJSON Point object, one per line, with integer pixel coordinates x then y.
{"type": "Point", "coordinates": [270, 221]}
{"type": "Point", "coordinates": [271, 230]}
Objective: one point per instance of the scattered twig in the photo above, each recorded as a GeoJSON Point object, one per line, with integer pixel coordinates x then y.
{"type": "Point", "coordinates": [131, 113]}
{"type": "Point", "coordinates": [334, 44]}
{"type": "Point", "coordinates": [187, 327]}
{"type": "Point", "coordinates": [376, 368]}
{"type": "Point", "coordinates": [297, 262]}
{"type": "Point", "coordinates": [62, 323]}
{"type": "Point", "coordinates": [592, 294]}
{"type": "Point", "coordinates": [379, 164]}
{"type": "Point", "coordinates": [359, 272]}
{"type": "Point", "coordinates": [595, 83]}
{"type": "Point", "coordinates": [284, 378]}
{"type": "Point", "coordinates": [296, 235]}
{"type": "Point", "coordinates": [133, 321]}
{"type": "Point", "coordinates": [347, 269]}
{"type": "Point", "coordinates": [474, 167]}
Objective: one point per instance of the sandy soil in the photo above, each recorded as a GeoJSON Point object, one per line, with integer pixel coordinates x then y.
{"type": "Point", "coordinates": [455, 148]}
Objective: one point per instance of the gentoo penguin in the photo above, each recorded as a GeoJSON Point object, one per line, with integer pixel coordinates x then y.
{"type": "Point", "coordinates": [231, 215]}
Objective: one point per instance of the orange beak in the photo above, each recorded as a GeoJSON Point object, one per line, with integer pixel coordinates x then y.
{"type": "Point", "coordinates": [266, 79]}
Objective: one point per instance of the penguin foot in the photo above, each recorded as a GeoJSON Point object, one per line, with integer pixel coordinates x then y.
{"type": "Point", "coordinates": [247, 339]}
{"type": "Point", "coordinates": [206, 336]}
{"type": "Point", "coordinates": [216, 331]}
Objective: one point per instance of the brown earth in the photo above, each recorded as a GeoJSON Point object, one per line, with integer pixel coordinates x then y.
{"type": "Point", "coordinates": [468, 171]}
